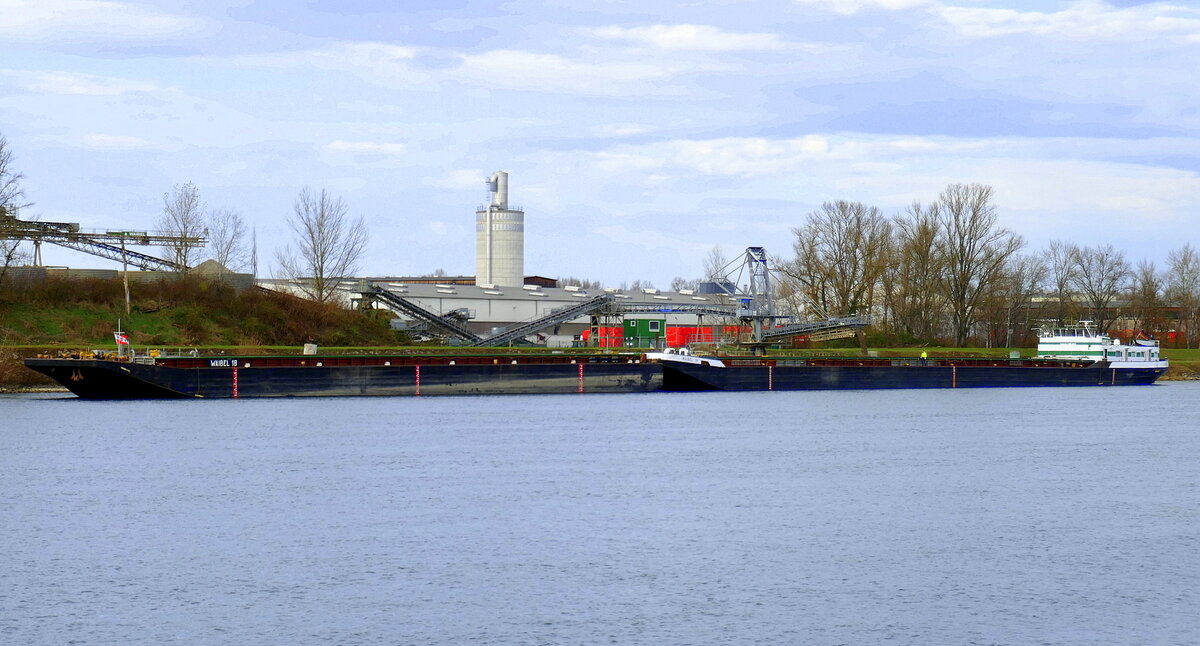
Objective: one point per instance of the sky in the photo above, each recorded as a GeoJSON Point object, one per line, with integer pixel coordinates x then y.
{"type": "Point", "coordinates": [637, 134]}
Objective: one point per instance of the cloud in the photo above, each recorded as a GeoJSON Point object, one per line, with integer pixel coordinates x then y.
{"type": "Point", "coordinates": [365, 147]}
{"type": "Point", "coordinates": [730, 156]}
{"type": "Point", "coordinates": [591, 73]}
{"type": "Point", "coordinates": [849, 7]}
{"type": "Point", "coordinates": [1046, 188]}
{"type": "Point", "coordinates": [363, 54]}
{"type": "Point", "coordinates": [503, 68]}
{"type": "Point", "coordinates": [114, 142]}
{"type": "Point", "coordinates": [760, 156]}
{"type": "Point", "coordinates": [1088, 19]}
{"type": "Point", "coordinates": [63, 21]}
{"type": "Point", "coordinates": [554, 73]}
{"type": "Point", "coordinates": [691, 37]}
{"type": "Point", "coordinates": [619, 130]}
{"type": "Point", "coordinates": [1099, 172]}
{"type": "Point", "coordinates": [459, 179]}
{"type": "Point", "coordinates": [78, 84]}
{"type": "Point", "coordinates": [337, 56]}
{"type": "Point", "coordinates": [377, 62]}
{"type": "Point", "coordinates": [619, 161]}
{"type": "Point", "coordinates": [345, 184]}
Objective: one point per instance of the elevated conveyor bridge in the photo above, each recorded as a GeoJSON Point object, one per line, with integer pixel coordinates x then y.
{"type": "Point", "coordinates": [114, 252]}
{"type": "Point", "coordinates": [814, 328]}
{"type": "Point", "coordinates": [681, 308]}
{"type": "Point", "coordinates": [556, 317]}
{"type": "Point", "coordinates": [446, 325]}
{"type": "Point", "coordinates": [110, 244]}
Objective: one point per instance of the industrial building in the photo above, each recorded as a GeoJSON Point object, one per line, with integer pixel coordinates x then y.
{"type": "Point", "coordinates": [501, 305]}
{"type": "Point", "coordinates": [500, 296]}
{"type": "Point", "coordinates": [486, 311]}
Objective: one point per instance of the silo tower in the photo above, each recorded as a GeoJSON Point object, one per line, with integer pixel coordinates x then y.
{"type": "Point", "coordinates": [499, 238]}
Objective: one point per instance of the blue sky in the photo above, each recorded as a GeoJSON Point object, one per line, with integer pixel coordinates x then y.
{"type": "Point", "coordinates": [637, 134]}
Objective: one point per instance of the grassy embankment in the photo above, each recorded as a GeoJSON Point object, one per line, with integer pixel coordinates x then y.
{"type": "Point", "coordinates": [57, 315]}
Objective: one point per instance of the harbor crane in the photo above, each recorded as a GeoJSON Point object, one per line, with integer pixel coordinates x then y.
{"type": "Point", "coordinates": [748, 280]}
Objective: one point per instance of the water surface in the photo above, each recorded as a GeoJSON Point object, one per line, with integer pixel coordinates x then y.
{"type": "Point", "coordinates": [1062, 516]}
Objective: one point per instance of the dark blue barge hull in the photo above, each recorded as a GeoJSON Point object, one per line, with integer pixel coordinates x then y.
{"type": "Point", "coordinates": [690, 377]}
{"type": "Point", "coordinates": [102, 379]}
{"type": "Point", "coordinates": [420, 376]}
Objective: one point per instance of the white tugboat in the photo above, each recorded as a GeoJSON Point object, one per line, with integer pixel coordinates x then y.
{"type": "Point", "coordinates": [1084, 342]}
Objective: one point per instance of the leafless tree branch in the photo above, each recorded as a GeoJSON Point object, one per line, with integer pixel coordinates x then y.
{"type": "Point", "coordinates": [227, 239]}
{"type": "Point", "coordinates": [182, 216]}
{"type": "Point", "coordinates": [328, 244]}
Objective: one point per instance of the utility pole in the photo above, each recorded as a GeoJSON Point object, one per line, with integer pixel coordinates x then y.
{"type": "Point", "coordinates": [125, 274]}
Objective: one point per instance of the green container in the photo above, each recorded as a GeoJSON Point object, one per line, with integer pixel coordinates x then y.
{"type": "Point", "coordinates": [645, 332]}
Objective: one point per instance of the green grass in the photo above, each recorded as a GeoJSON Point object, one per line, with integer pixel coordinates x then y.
{"type": "Point", "coordinates": [181, 313]}
{"type": "Point", "coordinates": [1189, 356]}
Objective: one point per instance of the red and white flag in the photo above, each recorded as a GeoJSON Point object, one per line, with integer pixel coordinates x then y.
{"type": "Point", "coordinates": [122, 338]}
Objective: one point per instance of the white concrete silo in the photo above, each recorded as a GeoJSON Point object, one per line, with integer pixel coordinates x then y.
{"type": "Point", "coordinates": [499, 238]}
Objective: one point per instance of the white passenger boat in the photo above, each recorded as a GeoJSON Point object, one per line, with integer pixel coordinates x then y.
{"type": "Point", "coordinates": [1084, 342]}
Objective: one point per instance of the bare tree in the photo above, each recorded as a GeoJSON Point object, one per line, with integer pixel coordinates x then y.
{"type": "Point", "coordinates": [679, 282]}
{"type": "Point", "coordinates": [714, 263]}
{"type": "Point", "coordinates": [1146, 296]}
{"type": "Point", "coordinates": [328, 244]}
{"type": "Point", "coordinates": [975, 251]}
{"type": "Point", "coordinates": [182, 217]}
{"type": "Point", "coordinates": [227, 239]}
{"type": "Point", "coordinates": [578, 282]}
{"type": "Point", "coordinates": [840, 254]}
{"type": "Point", "coordinates": [811, 280]}
{"type": "Point", "coordinates": [254, 252]}
{"type": "Point", "coordinates": [11, 201]}
{"type": "Point", "coordinates": [1183, 290]}
{"type": "Point", "coordinates": [1024, 277]}
{"type": "Point", "coordinates": [911, 282]}
{"type": "Point", "coordinates": [791, 299]}
{"type": "Point", "coordinates": [1100, 274]}
{"type": "Point", "coordinates": [11, 192]}
{"type": "Point", "coordinates": [1060, 258]}
{"type": "Point", "coordinates": [11, 252]}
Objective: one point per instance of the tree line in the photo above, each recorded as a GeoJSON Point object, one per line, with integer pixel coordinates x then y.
{"type": "Point", "coordinates": [326, 245]}
{"type": "Point", "coordinates": [947, 271]}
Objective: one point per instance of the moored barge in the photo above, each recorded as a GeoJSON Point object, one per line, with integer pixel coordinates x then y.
{"type": "Point", "coordinates": [1066, 357]}
{"type": "Point", "coordinates": [1074, 355]}
{"type": "Point", "coordinates": [844, 373]}
{"type": "Point", "coordinates": [350, 375]}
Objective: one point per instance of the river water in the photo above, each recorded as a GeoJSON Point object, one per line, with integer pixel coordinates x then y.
{"type": "Point", "coordinates": [995, 516]}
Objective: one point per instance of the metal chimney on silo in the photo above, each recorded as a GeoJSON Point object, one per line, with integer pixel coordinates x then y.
{"type": "Point", "coordinates": [499, 238]}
